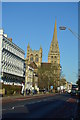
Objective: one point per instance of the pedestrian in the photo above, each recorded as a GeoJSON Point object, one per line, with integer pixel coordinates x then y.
{"type": "Point", "coordinates": [29, 91]}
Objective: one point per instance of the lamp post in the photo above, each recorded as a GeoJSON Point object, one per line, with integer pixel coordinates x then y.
{"type": "Point", "coordinates": [78, 37]}
{"type": "Point", "coordinates": [74, 33]}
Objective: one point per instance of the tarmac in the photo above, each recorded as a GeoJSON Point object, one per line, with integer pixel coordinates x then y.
{"type": "Point", "coordinates": [7, 99]}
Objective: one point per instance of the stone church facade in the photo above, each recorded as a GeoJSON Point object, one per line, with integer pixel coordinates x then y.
{"type": "Point", "coordinates": [34, 56]}
{"type": "Point", "coordinates": [53, 56]}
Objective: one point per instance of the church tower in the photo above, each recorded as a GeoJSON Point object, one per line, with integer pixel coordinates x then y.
{"type": "Point", "coordinates": [54, 54]}
{"type": "Point", "coordinates": [34, 56]}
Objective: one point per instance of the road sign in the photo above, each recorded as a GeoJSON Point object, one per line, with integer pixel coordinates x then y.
{"type": "Point", "coordinates": [51, 87]}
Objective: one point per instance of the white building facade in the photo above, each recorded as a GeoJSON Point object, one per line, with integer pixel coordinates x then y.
{"type": "Point", "coordinates": [11, 61]}
{"type": "Point", "coordinates": [29, 78]}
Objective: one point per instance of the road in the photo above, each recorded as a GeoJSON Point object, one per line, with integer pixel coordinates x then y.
{"type": "Point", "coordinates": [60, 106]}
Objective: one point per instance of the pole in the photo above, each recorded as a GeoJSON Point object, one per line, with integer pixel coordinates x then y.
{"type": "Point", "coordinates": [48, 85]}
{"type": "Point", "coordinates": [75, 34]}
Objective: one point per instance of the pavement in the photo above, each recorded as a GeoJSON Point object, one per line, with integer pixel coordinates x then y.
{"type": "Point", "coordinates": [8, 99]}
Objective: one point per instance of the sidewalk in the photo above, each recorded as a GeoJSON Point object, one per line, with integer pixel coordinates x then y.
{"type": "Point", "coordinates": [27, 97]}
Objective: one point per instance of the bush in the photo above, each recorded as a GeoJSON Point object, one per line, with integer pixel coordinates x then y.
{"type": "Point", "coordinates": [11, 89]}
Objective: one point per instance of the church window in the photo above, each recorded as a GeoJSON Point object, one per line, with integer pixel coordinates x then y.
{"type": "Point", "coordinates": [31, 58]}
{"type": "Point", "coordinates": [51, 59]}
{"type": "Point", "coordinates": [36, 59]}
{"type": "Point", "coordinates": [55, 61]}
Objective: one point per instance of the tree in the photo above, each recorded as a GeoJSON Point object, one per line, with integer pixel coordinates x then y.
{"type": "Point", "coordinates": [48, 76]}
{"type": "Point", "coordinates": [62, 81]}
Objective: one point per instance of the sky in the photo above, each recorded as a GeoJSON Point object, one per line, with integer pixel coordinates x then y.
{"type": "Point", "coordinates": [33, 23]}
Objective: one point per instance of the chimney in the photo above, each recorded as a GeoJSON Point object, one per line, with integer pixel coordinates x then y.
{"type": "Point", "coordinates": [10, 39]}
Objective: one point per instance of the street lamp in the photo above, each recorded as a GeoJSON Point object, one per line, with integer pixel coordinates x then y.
{"type": "Point", "coordinates": [74, 33]}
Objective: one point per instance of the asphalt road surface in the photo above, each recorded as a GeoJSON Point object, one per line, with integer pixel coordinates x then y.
{"type": "Point", "coordinates": [60, 106]}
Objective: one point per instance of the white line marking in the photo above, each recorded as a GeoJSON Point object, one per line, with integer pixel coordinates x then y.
{"type": "Point", "coordinates": [17, 106]}
{"type": "Point", "coordinates": [39, 101]}
{"type": "Point", "coordinates": [12, 108]}
{"type": "Point", "coordinates": [44, 99]}
{"type": "Point", "coordinates": [4, 109]}
{"type": "Point", "coordinates": [7, 109]}
{"type": "Point", "coordinates": [21, 99]}
{"type": "Point", "coordinates": [33, 102]}
{"type": "Point", "coordinates": [77, 101]}
{"type": "Point", "coordinates": [28, 103]}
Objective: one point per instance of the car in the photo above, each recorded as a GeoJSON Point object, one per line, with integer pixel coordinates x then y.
{"type": "Point", "coordinates": [69, 91]}
{"type": "Point", "coordinates": [74, 92]}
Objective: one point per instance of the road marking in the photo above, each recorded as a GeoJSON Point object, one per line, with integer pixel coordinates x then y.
{"type": "Point", "coordinates": [20, 99]}
{"type": "Point", "coordinates": [7, 109]}
{"type": "Point", "coordinates": [3, 109]}
{"type": "Point", "coordinates": [17, 106]}
{"type": "Point", "coordinates": [28, 103]}
{"type": "Point", "coordinates": [39, 101]}
{"type": "Point", "coordinates": [32, 103]}
{"type": "Point", "coordinates": [77, 101]}
{"type": "Point", "coordinates": [45, 99]}
{"type": "Point", "coordinates": [35, 102]}
{"type": "Point", "coordinates": [12, 108]}
{"type": "Point", "coordinates": [71, 100]}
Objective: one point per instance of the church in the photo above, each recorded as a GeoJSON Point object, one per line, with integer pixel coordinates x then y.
{"type": "Point", "coordinates": [35, 56]}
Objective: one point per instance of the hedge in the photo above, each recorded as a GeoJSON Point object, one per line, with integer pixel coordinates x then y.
{"type": "Point", "coordinates": [11, 89]}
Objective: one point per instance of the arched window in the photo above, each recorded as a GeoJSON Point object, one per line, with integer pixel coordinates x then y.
{"type": "Point", "coordinates": [55, 58]}
{"type": "Point", "coordinates": [31, 58]}
{"type": "Point", "coordinates": [51, 59]}
{"type": "Point", "coordinates": [36, 58]}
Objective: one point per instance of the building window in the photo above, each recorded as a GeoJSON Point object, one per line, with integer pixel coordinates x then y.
{"type": "Point", "coordinates": [54, 61]}
{"type": "Point", "coordinates": [37, 59]}
{"type": "Point", "coordinates": [31, 59]}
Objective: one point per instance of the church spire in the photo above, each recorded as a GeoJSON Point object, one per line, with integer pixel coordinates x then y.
{"type": "Point", "coordinates": [55, 32]}
{"type": "Point", "coordinates": [54, 55]}
{"type": "Point", "coordinates": [28, 45]}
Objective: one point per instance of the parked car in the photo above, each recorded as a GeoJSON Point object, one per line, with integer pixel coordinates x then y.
{"type": "Point", "coordinates": [74, 92]}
